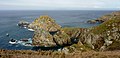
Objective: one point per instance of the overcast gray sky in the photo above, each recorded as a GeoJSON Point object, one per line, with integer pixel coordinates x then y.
{"type": "Point", "coordinates": [59, 4]}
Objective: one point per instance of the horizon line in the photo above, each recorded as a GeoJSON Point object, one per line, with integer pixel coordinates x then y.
{"type": "Point", "coordinates": [60, 9]}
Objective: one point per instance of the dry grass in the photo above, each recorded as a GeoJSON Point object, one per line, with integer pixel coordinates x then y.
{"type": "Point", "coordinates": [55, 54]}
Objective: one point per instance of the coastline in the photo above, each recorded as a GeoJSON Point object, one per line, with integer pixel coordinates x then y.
{"type": "Point", "coordinates": [96, 42]}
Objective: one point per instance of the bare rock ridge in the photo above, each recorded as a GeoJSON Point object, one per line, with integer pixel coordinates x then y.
{"type": "Point", "coordinates": [106, 36]}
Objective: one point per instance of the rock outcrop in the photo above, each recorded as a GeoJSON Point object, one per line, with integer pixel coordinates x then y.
{"type": "Point", "coordinates": [61, 38]}
{"type": "Point", "coordinates": [46, 23]}
{"type": "Point", "coordinates": [109, 31]}
{"type": "Point", "coordinates": [95, 21]}
{"type": "Point", "coordinates": [43, 38]}
{"type": "Point", "coordinates": [106, 36]}
{"type": "Point", "coordinates": [48, 33]}
{"type": "Point", "coordinates": [54, 35]}
{"type": "Point", "coordinates": [23, 23]}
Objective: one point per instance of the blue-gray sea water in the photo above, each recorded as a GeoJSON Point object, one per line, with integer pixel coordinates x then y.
{"type": "Point", "coordinates": [71, 18]}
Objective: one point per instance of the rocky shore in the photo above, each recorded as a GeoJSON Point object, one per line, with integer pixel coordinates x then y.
{"type": "Point", "coordinates": [104, 18]}
{"type": "Point", "coordinates": [104, 37]}
{"type": "Point", "coordinates": [50, 34]}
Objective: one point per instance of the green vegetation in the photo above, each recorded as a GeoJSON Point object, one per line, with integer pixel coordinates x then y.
{"type": "Point", "coordinates": [106, 26]}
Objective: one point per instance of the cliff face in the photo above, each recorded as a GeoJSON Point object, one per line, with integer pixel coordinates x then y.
{"type": "Point", "coordinates": [106, 36]}
{"type": "Point", "coordinates": [48, 33]}
{"type": "Point", "coordinates": [43, 38]}
{"type": "Point", "coordinates": [43, 26]}
{"type": "Point", "coordinates": [103, 36]}
{"type": "Point", "coordinates": [109, 31]}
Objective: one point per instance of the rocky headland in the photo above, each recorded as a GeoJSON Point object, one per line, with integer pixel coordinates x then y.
{"type": "Point", "coordinates": [104, 18]}
{"type": "Point", "coordinates": [50, 34]}
{"type": "Point", "coordinates": [104, 37]}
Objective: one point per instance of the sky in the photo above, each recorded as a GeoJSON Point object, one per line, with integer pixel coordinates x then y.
{"type": "Point", "coordinates": [59, 4]}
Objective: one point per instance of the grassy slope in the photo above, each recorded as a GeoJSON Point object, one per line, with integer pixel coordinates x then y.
{"type": "Point", "coordinates": [107, 26]}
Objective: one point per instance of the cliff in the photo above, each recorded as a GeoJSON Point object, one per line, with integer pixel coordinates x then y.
{"type": "Point", "coordinates": [50, 34]}
{"type": "Point", "coordinates": [100, 37]}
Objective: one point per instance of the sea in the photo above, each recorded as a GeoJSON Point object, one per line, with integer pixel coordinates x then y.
{"type": "Point", "coordinates": [66, 18]}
